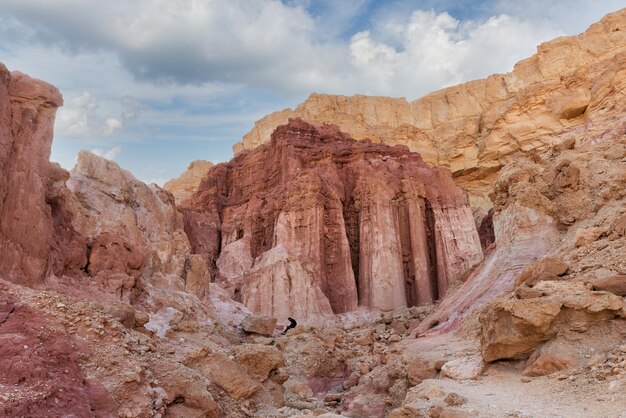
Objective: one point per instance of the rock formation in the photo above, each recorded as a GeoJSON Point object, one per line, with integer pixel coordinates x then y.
{"type": "Point", "coordinates": [132, 228]}
{"type": "Point", "coordinates": [184, 185]}
{"type": "Point", "coordinates": [27, 110]}
{"type": "Point", "coordinates": [477, 127]}
{"type": "Point", "coordinates": [106, 305]}
{"type": "Point", "coordinates": [317, 223]}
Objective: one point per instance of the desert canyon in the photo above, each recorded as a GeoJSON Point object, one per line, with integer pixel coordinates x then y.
{"type": "Point", "coordinates": [460, 255]}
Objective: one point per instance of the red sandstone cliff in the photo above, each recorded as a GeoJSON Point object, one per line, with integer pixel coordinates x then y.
{"type": "Point", "coordinates": [27, 110]}
{"type": "Point", "coordinates": [316, 223]}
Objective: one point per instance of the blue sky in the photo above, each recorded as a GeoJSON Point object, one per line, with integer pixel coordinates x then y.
{"type": "Point", "coordinates": [155, 84]}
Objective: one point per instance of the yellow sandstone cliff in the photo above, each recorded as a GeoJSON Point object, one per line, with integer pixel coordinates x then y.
{"type": "Point", "coordinates": [476, 127]}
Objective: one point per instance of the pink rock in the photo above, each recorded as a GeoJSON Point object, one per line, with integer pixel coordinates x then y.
{"type": "Point", "coordinates": [301, 224]}
{"type": "Point", "coordinates": [41, 361]}
{"type": "Point", "coordinates": [27, 110]}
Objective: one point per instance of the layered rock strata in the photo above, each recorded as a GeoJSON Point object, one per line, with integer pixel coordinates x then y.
{"type": "Point", "coordinates": [316, 223]}
{"type": "Point", "coordinates": [477, 127]}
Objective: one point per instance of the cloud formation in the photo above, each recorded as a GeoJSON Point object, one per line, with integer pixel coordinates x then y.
{"type": "Point", "coordinates": [176, 80]}
{"type": "Point", "coordinates": [82, 117]}
{"type": "Point", "coordinates": [282, 47]}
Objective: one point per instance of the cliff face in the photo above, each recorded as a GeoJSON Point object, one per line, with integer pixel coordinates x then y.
{"type": "Point", "coordinates": [558, 217]}
{"type": "Point", "coordinates": [315, 222]}
{"type": "Point", "coordinates": [184, 185]}
{"type": "Point", "coordinates": [132, 230]}
{"type": "Point", "coordinates": [477, 127]}
{"type": "Point", "coordinates": [27, 110]}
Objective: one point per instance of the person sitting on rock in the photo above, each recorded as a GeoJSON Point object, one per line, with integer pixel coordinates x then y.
{"type": "Point", "coordinates": [292, 324]}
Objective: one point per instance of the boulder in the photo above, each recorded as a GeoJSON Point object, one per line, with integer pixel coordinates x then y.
{"type": "Point", "coordinates": [513, 328]}
{"type": "Point", "coordinates": [228, 375]}
{"type": "Point", "coordinates": [548, 268]}
{"type": "Point", "coordinates": [549, 358]}
{"type": "Point", "coordinates": [259, 324]}
{"type": "Point", "coordinates": [614, 284]}
{"type": "Point", "coordinates": [419, 370]}
{"type": "Point", "coordinates": [258, 360]}
{"type": "Point", "coordinates": [463, 368]}
{"type": "Point", "coordinates": [585, 236]}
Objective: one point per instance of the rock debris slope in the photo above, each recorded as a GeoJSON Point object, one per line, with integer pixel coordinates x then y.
{"type": "Point", "coordinates": [317, 223]}
{"type": "Point", "coordinates": [477, 127]}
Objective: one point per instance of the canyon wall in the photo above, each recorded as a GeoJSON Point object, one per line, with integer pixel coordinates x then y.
{"type": "Point", "coordinates": [477, 127]}
{"type": "Point", "coordinates": [563, 203]}
{"type": "Point", "coordinates": [27, 110]}
{"type": "Point", "coordinates": [316, 223]}
{"type": "Point", "coordinates": [184, 185]}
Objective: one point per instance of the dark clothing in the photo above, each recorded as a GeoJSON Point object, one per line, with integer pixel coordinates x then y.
{"type": "Point", "coordinates": [292, 324]}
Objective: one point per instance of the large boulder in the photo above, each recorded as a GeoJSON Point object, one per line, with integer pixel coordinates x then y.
{"type": "Point", "coordinates": [259, 324]}
{"type": "Point", "coordinates": [513, 328]}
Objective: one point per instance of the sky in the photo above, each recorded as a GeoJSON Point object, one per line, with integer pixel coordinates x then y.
{"type": "Point", "coordinates": [155, 84]}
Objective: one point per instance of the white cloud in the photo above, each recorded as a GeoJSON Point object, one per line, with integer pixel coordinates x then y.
{"type": "Point", "coordinates": [281, 47]}
{"type": "Point", "coordinates": [430, 51]}
{"type": "Point", "coordinates": [109, 154]}
{"type": "Point", "coordinates": [83, 117]}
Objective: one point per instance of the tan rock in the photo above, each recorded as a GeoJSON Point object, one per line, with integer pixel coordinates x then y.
{"type": "Point", "coordinates": [585, 236]}
{"type": "Point", "coordinates": [259, 360]}
{"type": "Point", "coordinates": [228, 375]}
{"type": "Point", "coordinates": [187, 183]}
{"type": "Point", "coordinates": [463, 368]}
{"type": "Point", "coordinates": [407, 411]}
{"type": "Point", "coordinates": [620, 225]}
{"type": "Point", "coordinates": [419, 370]}
{"type": "Point", "coordinates": [513, 328]}
{"type": "Point", "coordinates": [259, 324]}
{"type": "Point", "coordinates": [425, 390]}
{"type": "Point", "coordinates": [476, 127]}
{"type": "Point", "coordinates": [548, 359]}
{"type": "Point", "coordinates": [614, 284]}
{"type": "Point", "coordinates": [454, 399]}
{"type": "Point", "coordinates": [547, 268]}
{"type": "Point", "coordinates": [178, 382]}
